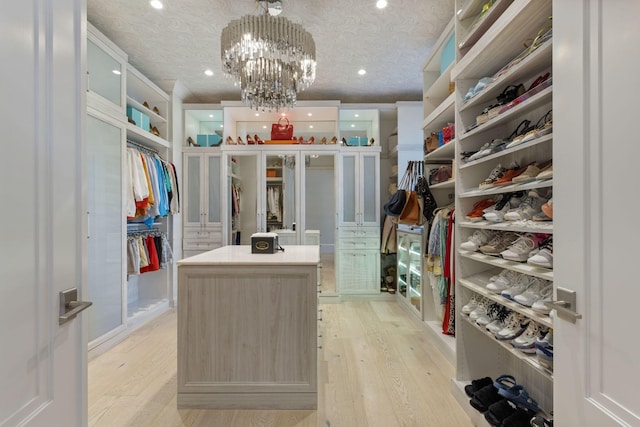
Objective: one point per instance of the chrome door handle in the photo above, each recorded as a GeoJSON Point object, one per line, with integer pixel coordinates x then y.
{"type": "Point", "coordinates": [70, 306]}
{"type": "Point", "coordinates": [565, 307]}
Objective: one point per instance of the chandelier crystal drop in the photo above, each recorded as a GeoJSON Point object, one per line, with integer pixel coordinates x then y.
{"type": "Point", "coordinates": [270, 58]}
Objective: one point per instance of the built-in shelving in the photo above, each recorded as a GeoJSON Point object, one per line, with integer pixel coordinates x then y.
{"type": "Point", "coordinates": [520, 267]}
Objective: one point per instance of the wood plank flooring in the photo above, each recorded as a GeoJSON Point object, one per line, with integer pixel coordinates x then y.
{"type": "Point", "coordinates": [375, 368]}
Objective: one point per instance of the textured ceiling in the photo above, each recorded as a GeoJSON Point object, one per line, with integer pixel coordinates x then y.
{"type": "Point", "coordinates": [182, 40]}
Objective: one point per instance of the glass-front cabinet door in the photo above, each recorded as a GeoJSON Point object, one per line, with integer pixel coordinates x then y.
{"type": "Point", "coordinates": [370, 188]}
{"type": "Point", "coordinates": [349, 188]}
{"type": "Point", "coordinates": [243, 197]}
{"type": "Point", "coordinates": [410, 265]}
{"type": "Point", "coordinates": [106, 65]}
{"type": "Point", "coordinates": [105, 275]}
{"type": "Point", "coordinates": [359, 182]}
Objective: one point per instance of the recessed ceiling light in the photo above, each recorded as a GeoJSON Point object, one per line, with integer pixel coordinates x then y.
{"type": "Point", "coordinates": [211, 115]}
{"type": "Point", "coordinates": [257, 114]}
{"type": "Point", "coordinates": [221, 126]}
{"type": "Point", "coordinates": [156, 4]}
{"type": "Point", "coordinates": [362, 72]}
{"type": "Point", "coordinates": [309, 114]}
{"type": "Point", "coordinates": [264, 127]}
{"type": "Point", "coordinates": [310, 126]}
{"type": "Point", "coordinates": [116, 72]}
{"type": "Point", "coordinates": [357, 115]}
{"type": "Point", "coordinates": [208, 73]}
{"type": "Point", "coordinates": [381, 4]}
{"type": "Point", "coordinates": [283, 115]}
{"type": "Point", "coordinates": [353, 126]}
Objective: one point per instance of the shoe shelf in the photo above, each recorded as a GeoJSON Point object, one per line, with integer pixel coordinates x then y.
{"type": "Point", "coordinates": [145, 138]}
{"type": "Point", "coordinates": [515, 226]}
{"type": "Point", "coordinates": [477, 283]}
{"type": "Point", "coordinates": [441, 116]}
{"type": "Point", "coordinates": [153, 117]}
{"type": "Point", "coordinates": [457, 390]}
{"type": "Point", "coordinates": [508, 188]}
{"type": "Point", "coordinates": [538, 60]}
{"type": "Point", "coordinates": [447, 184]}
{"type": "Point", "coordinates": [445, 152]}
{"type": "Point", "coordinates": [520, 267]}
{"type": "Point", "coordinates": [481, 25]}
{"type": "Point", "coordinates": [527, 358]}
{"type": "Point", "coordinates": [439, 90]}
{"type": "Point", "coordinates": [545, 139]}
{"type": "Point", "coordinates": [504, 39]}
{"type": "Point", "coordinates": [537, 100]}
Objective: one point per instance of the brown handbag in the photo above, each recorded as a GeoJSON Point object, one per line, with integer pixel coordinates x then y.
{"type": "Point", "coordinates": [411, 211]}
{"type": "Point", "coordinates": [431, 142]}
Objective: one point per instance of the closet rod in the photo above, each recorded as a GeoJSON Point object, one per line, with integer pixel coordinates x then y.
{"type": "Point", "coordinates": [142, 147]}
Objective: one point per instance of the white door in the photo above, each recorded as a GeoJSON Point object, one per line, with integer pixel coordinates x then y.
{"type": "Point", "coordinates": [596, 204]}
{"type": "Point", "coordinates": [42, 364]}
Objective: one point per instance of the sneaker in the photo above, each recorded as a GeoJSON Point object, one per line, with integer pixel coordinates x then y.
{"type": "Point", "coordinates": [499, 243]}
{"type": "Point", "coordinates": [490, 315]}
{"type": "Point", "coordinates": [509, 201]}
{"type": "Point", "coordinates": [477, 239]}
{"type": "Point", "coordinates": [497, 173]}
{"type": "Point", "coordinates": [531, 173]}
{"type": "Point", "coordinates": [471, 305]}
{"type": "Point", "coordinates": [527, 209]}
{"type": "Point", "coordinates": [518, 287]}
{"type": "Point", "coordinates": [513, 171]}
{"type": "Point", "coordinates": [546, 340]}
{"type": "Point", "coordinates": [520, 249]}
{"type": "Point", "coordinates": [526, 342]}
{"type": "Point", "coordinates": [545, 357]}
{"type": "Point", "coordinates": [544, 257]}
{"type": "Point", "coordinates": [546, 173]}
{"type": "Point", "coordinates": [476, 212]}
{"type": "Point", "coordinates": [541, 306]}
{"type": "Point", "coordinates": [502, 281]}
{"type": "Point", "coordinates": [541, 216]}
{"type": "Point", "coordinates": [533, 293]}
{"type": "Point", "coordinates": [547, 208]}
{"type": "Point", "coordinates": [500, 322]}
{"type": "Point", "coordinates": [516, 325]}
{"type": "Point", "coordinates": [481, 309]}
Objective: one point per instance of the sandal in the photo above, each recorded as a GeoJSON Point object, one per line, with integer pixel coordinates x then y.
{"type": "Point", "coordinates": [543, 127]}
{"type": "Point", "coordinates": [476, 385]}
{"type": "Point", "coordinates": [505, 382]}
{"type": "Point", "coordinates": [498, 412]}
{"type": "Point", "coordinates": [485, 397]}
{"type": "Point", "coordinates": [519, 395]}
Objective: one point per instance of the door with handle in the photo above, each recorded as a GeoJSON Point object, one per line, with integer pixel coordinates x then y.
{"type": "Point", "coordinates": [596, 364]}
{"type": "Point", "coordinates": [44, 367]}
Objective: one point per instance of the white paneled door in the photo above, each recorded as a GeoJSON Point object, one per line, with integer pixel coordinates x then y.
{"type": "Point", "coordinates": [596, 208]}
{"type": "Point", "coordinates": [42, 363]}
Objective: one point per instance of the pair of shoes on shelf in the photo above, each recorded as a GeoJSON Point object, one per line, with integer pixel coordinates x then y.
{"type": "Point", "coordinates": [252, 141]}
{"type": "Point", "coordinates": [508, 202]}
{"type": "Point", "coordinates": [154, 109]}
{"type": "Point", "coordinates": [154, 130]}
{"type": "Point", "coordinates": [476, 212]}
{"type": "Point", "coordinates": [192, 143]}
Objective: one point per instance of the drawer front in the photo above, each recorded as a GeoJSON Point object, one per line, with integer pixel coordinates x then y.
{"type": "Point", "coordinates": [361, 244]}
{"type": "Point", "coordinates": [197, 245]}
{"type": "Point", "coordinates": [215, 236]}
{"type": "Point", "coordinates": [359, 232]}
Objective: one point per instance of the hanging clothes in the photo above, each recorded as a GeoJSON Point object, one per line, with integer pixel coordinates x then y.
{"type": "Point", "coordinates": [147, 251]}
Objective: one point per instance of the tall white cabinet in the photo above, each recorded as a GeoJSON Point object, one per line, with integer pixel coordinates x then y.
{"type": "Point", "coordinates": [121, 302]}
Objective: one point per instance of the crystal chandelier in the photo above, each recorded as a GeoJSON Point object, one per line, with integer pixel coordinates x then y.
{"type": "Point", "coordinates": [270, 57]}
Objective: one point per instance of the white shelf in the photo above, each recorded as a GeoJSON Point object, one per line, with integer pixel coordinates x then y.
{"type": "Point", "coordinates": [477, 283]}
{"type": "Point", "coordinates": [539, 227]}
{"type": "Point", "coordinates": [444, 185]}
{"type": "Point", "coordinates": [524, 146]}
{"type": "Point", "coordinates": [145, 138]}
{"type": "Point", "coordinates": [538, 60]}
{"type": "Point", "coordinates": [442, 115]}
{"type": "Point", "coordinates": [528, 358]}
{"type": "Point", "coordinates": [440, 88]}
{"type": "Point", "coordinates": [503, 40]}
{"type": "Point", "coordinates": [508, 188]}
{"type": "Point", "coordinates": [444, 152]}
{"type": "Point", "coordinates": [472, 8]}
{"type": "Point", "coordinates": [535, 101]}
{"type": "Point", "coordinates": [483, 25]}
{"type": "Point", "coordinates": [543, 273]}
{"type": "Point", "coordinates": [153, 117]}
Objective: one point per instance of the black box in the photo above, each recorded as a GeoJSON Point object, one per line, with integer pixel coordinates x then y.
{"type": "Point", "coordinates": [264, 243]}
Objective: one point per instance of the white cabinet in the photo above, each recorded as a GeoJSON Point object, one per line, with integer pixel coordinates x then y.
{"type": "Point", "coordinates": [489, 55]}
{"type": "Point", "coordinates": [202, 207]}
{"type": "Point", "coordinates": [358, 257]}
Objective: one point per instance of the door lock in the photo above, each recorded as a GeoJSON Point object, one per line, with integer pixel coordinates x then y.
{"type": "Point", "coordinates": [70, 306]}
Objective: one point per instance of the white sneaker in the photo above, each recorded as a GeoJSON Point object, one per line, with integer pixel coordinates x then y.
{"type": "Point", "coordinates": [496, 212]}
{"type": "Point", "coordinates": [497, 173]}
{"type": "Point", "coordinates": [471, 305]}
{"type": "Point", "coordinates": [480, 310]}
{"type": "Point", "coordinates": [491, 314]}
{"type": "Point", "coordinates": [477, 239]}
{"type": "Point", "coordinates": [516, 324]}
{"type": "Point", "coordinates": [520, 249]}
{"type": "Point", "coordinates": [502, 281]}
{"type": "Point", "coordinates": [546, 340]}
{"type": "Point", "coordinates": [544, 257]}
{"type": "Point", "coordinates": [518, 287]}
{"type": "Point", "coordinates": [541, 306]}
{"type": "Point", "coordinates": [526, 342]}
{"type": "Point", "coordinates": [528, 208]}
{"type": "Point", "coordinates": [533, 292]}
{"type": "Point", "coordinates": [499, 243]}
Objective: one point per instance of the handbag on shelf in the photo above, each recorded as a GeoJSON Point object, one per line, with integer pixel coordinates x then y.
{"type": "Point", "coordinates": [431, 142]}
{"type": "Point", "coordinates": [281, 130]}
{"type": "Point", "coordinates": [426, 200]}
{"type": "Point", "coordinates": [441, 174]}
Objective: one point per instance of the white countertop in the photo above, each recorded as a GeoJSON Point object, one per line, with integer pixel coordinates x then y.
{"type": "Point", "coordinates": [241, 255]}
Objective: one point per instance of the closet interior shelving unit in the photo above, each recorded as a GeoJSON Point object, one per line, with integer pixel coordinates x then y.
{"type": "Point", "coordinates": [487, 45]}
{"type": "Point", "coordinates": [121, 302]}
{"type": "Point", "coordinates": [438, 112]}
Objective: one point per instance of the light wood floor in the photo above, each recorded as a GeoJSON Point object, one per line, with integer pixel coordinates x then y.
{"type": "Point", "coordinates": [376, 368]}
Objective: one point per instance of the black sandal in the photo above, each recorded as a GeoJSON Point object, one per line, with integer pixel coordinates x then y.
{"type": "Point", "coordinates": [476, 385]}
{"type": "Point", "coordinates": [485, 397]}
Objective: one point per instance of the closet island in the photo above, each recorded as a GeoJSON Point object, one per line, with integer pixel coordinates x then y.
{"type": "Point", "coordinates": [247, 329]}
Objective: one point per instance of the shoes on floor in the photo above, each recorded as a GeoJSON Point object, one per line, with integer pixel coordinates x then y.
{"type": "Point", "coordinates": [477, 239]}
{"type": "Point", "coordinates": [499, 243]}
{"type": "Point", "coordinates": [528, 208]}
